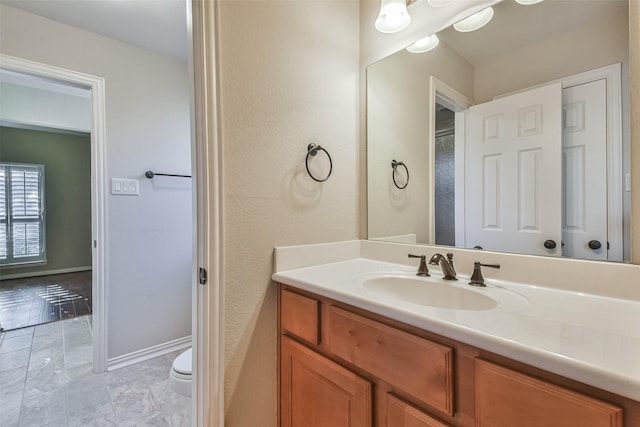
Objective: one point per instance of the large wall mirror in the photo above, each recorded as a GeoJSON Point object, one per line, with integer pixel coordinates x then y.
{"type": "Point", "coordinates": [511, 138]}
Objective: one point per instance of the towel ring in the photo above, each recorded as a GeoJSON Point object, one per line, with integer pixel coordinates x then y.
{"type": "Point", "coordinates": [312, 150]}
{"type": "Point", "coordinates": [394, 165]}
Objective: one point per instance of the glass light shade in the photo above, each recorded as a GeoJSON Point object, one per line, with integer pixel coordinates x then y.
{"type": "Point", "coordinates": [528, 2]}
{"type": "Point", "coordinates": [393, 17]}
{"type": "Point", "coordinates": [425, 44]}
{"type": "Point", "coordinates": [441, 3]}
{"type": "Point", "coordinates": [475, 21]}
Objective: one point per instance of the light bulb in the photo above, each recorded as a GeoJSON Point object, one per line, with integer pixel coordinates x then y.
{"type": "Point", "coordinates": [424, 44]}
{"type": "Point", "coordinates": [475, 21]}
{"type": "Point", "coordinates": [440, 3]}
{"type": "Point", "coordinates": [393, 16]}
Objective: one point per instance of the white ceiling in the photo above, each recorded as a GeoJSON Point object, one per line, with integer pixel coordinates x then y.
{"type": "Point", "coordinates": [156, 25]}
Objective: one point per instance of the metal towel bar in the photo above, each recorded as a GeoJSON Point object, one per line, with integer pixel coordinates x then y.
{"type": "Point", "coordinates": [151, 174]}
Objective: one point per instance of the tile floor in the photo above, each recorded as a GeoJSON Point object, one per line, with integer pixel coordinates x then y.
{"type": "Point", "coordinates": [34, 300]}
{"type": "Point", "coordinates": [46, 379]}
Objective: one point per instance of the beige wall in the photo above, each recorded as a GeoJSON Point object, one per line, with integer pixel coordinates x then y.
{"type": "Point", "coordinates": [398, 108]}
{"type": "Point", "coordinates": [634, 61]}
{"type": "Point", "coordinates": [288, 77]}
{"type": "Point", "coordinates": [554, 58]}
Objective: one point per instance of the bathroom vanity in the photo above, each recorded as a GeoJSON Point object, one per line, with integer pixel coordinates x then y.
{"type": "Point", "coordinates": [354, 354]}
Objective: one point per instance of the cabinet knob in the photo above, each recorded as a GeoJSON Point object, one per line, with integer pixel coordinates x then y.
{"type": "Point", "coordinates": [550, 244]}
{"type": "Point", "coordinates": [594, 244]}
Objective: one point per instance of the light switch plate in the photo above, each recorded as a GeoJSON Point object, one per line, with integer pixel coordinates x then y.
{"type": "Point", "coordinates": [124, 187]}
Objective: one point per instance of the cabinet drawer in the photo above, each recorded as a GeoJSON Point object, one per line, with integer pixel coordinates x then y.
{"type": "Point", "coordinates": [417, 366]}
{"type": "Point", "coordinates": [508, 398]}
{"type": "Point", "coordinates": [299, 316]}
{"type": "Point", "coordinates": [401, 414]}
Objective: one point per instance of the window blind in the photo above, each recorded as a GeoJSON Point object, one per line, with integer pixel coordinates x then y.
{"type": "Point", "coordinates": [3, 214]}
{"type": "Point", "coordinates": [22, 226]}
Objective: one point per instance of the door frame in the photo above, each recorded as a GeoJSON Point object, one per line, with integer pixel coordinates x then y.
{"type": "Point", "coordinates": [441, 93]}
{"type": "Point", "coordinates": [207, 162]}
{"type": "Point", "coordinates": [98, 180]}
{"type": "Point", "coordinates": [615, 191]}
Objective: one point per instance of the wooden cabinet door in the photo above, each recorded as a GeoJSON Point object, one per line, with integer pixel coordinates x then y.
{"type": "Point", "coordinates": [506, 398]}
{"type": "Point", "coordinates": [316, 392]}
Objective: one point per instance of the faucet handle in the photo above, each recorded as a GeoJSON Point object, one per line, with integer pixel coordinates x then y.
{"type": "Point", "coordinates": [476, 277]}
{"type": "Point", "coordinates": [450, 260]}
{"type": "Point", "coordinates": [422, 270]}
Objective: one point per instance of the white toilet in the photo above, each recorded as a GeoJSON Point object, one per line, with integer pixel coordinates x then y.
{"type": "Point", "coordinates": [180, 375]}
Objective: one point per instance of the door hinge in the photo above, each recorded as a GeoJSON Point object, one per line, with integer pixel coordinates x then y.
{"type": "Point", "coordinates": [202, 276]}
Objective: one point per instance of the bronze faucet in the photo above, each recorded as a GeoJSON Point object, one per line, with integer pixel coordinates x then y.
{"type": "Point", "coordinates": [446, 264]}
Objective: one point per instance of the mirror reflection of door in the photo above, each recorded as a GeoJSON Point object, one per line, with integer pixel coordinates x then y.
{"type": "Point", "coordinates": [584, 209]}
{"type": "Point", "coordinates": [514, 166]}
{"type": "Point", "coordinates": [584, 222]}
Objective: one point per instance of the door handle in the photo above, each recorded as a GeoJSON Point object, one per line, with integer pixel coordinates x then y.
{"type": "Point", "coordinates": [594, 244]}
{"type": "Point", "coordinates": [550, 244]}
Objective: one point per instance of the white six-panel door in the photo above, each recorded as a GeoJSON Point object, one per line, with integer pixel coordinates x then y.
{"type": "Point", "coordinates": [585, 170]}
{"type": "Point", "coordinates": [514, 174]}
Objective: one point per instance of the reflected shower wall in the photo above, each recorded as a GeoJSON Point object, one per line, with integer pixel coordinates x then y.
{"type": "Point", "coordinates": [445, 177]}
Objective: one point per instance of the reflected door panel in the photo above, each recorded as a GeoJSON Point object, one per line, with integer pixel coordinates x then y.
{"type": "Point", "coordinates": [585, 168]}
{"type": "Point", "coordinates": [513, 169]}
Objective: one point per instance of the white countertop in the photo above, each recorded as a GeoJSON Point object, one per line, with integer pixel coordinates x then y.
{"type": "Point", "coordinates": [588, 338]}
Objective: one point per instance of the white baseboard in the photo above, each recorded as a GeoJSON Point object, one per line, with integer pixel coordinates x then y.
{"type": "Point", "coordinates": [148, 353]}
{"type": "Point", "coordinates": [45, 272]}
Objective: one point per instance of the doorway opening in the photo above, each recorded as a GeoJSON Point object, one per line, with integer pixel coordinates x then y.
{"type": "Point", "coordinates": [445, 185]}
{"type": "Point", "coordinates": [447, 194]}
{"type": "Point", "coordinates": [68, 297]}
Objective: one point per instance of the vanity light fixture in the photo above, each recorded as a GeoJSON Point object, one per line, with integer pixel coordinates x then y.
{"type": "Point", "coordinates": [475, 21]}
{"type": "Point", "coordinates": [393, 17]}
{"type": "Point", "coordinates": [441, 3]}
{"type": "Point", "coordinates": [528, 2]}
{"type": "Point", "coordinates": [424, 44]}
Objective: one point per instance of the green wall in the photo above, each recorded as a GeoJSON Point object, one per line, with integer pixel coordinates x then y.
{"type": "Point", "coordinates": [67, 168]}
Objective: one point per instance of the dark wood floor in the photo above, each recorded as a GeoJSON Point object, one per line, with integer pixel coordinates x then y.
{"type": "Point", "coordinates": [32, 301]}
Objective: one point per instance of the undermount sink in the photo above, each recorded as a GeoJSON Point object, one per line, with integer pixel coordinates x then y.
{"type": "Point", "coordinates": [431, 292]}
